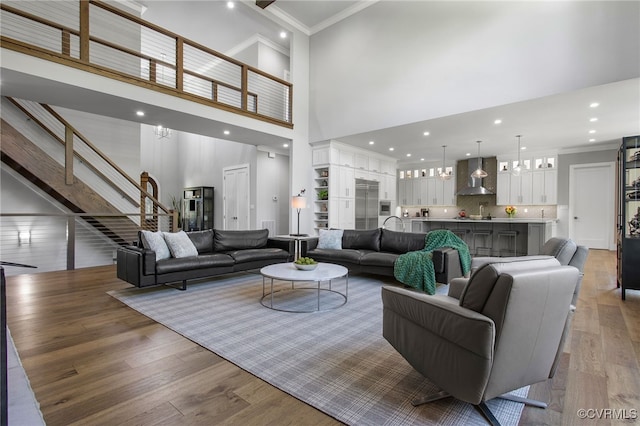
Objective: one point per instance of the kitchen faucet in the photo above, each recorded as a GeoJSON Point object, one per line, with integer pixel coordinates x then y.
{"type": "Point", "coordinates": [480, 210]}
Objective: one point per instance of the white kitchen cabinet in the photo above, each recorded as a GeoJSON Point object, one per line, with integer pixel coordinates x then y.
{"type": "Point", "coordinates": [405, 191]}
{"type": "Point", "coordinates": [420, 192]}
{"type": "Point", "coordinates": [320, 156]}
{"type": "Point", "coordinates": [446, 192]}
{"type": "Point", "coordinates": [520, 189]}
{"type": "Point", "coordinates": [374, 165]}
{"type": "Point", "coordinates": [387, 187]}
{"type": "Point", "coordinates": [346, 182]}
{"type": "Point", "coordinates": [503, 188]}
{"type": "Point", "coordinates": [362, 174]}
{"type": "Point", "coordinates": [342, 213]}
{"type": "Point", "coordinates": [545, 186]}
{"type": "Point", "coordinates": [361, 161]}
{"type": "Point", "coordinates": [388, 167]}
{"type": "Point", "coordinates": [346, 158]}
{"type": "Point", "coordinates": [514, 189]}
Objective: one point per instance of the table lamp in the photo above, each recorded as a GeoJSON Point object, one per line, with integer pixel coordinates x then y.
{"type": "Point", "coordinates": [299, 202]}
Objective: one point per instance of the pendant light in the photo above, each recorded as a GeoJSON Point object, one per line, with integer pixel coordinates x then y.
{"type": "Point", "coordinates": [518, 167]}
{"type": "Point", "coordinates": [479, 173]}
{"type": "Point", "coordinates": [443, 173]}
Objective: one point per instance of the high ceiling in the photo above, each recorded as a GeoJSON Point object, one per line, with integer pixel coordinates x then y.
{"type": "Point", "coordinates": [563, 122]}
{"type": "Point", "coordinates": [560, 122]}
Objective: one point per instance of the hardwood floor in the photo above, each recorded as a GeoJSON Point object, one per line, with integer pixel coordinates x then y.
{"type": "Point", "coordinates": [92, 360]}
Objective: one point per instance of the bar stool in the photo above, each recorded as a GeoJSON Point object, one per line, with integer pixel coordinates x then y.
{"type": "Point", "coordinates": [461, 233]}
{"type": "Point", "coordinates": [511, 238]}
{"type": "Point", "coordinates": [482, 241]}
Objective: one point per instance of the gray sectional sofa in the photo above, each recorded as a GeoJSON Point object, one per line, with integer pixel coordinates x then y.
{"type": "Point", "coordinates": [218, 252]}
{"type": "Point", "coordinates": [375, 251]}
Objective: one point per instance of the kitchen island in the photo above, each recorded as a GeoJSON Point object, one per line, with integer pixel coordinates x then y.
{"type": "Point", "coordinates": [493, 237]}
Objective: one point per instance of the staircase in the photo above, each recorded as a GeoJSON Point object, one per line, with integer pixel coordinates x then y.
{"type": "Point", "coordinates": [38, 167]}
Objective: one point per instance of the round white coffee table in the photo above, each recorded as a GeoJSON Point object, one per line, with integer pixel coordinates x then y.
{"type": "Point", "coordinates": [290, 299]}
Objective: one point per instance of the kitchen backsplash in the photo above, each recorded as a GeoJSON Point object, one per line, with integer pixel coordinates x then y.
{"type": "Point", "coordinates": [472, 207]}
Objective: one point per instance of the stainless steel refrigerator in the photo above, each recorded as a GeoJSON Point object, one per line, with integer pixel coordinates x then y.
{"type": "Point", "coordinates": [366, 204]}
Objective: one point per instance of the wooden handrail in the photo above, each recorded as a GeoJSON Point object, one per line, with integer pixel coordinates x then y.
{"type": "Point", "coordinates": [103, 156]}
{"type": "Point", "coordinates": [85, 160]}
{"type": "Point", "coordinates": [77, 154]}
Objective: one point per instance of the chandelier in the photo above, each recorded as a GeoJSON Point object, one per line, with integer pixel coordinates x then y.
{"type": "Point", "coordinates": [443, 173]}
{"type": "Point", "coordinates": [162, 132]}
{"type": "Point", "coordinates": [479, 173]}
{"type": "Point", "coordinates": [518, 167]}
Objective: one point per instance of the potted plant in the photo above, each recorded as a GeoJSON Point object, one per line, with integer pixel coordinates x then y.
{"type": "Point", "coordinates": [323, 194]}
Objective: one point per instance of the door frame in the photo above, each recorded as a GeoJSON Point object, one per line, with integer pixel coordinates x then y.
{"type": "Point", "coordinates": [610, 201]}
{"type": "Point", "coordinates": [247, 191]}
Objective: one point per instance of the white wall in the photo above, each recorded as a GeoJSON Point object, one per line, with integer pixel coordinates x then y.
{"type": "Point", "coordinates": [204, 163]}
{"type": "Point", "coordinates": [400, 62]}
{"type": "Point", "coordinates": [272, 190]}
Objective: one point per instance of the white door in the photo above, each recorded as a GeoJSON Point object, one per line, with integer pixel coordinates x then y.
{"type": "Point", "coordinates": [591, 205]}
{"type": "Point", "coordinates": [235, 197]}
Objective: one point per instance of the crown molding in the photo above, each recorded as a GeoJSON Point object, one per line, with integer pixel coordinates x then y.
{"type": "Point", "coordinates": [351, 10]}
{"type": "Point", "coordinates": [133, 5]}
{"type": "Point", "coordinates": [256, 38]}
{"type": "Point", "coordinates": [273, 11]}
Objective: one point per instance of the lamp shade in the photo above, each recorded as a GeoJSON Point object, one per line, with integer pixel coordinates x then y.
{"type": "Point", "coordinates": [299, 202]}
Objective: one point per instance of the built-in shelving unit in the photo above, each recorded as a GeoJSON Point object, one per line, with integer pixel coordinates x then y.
{"type": "Point", "coordinates": [336, 167]}
{"type": "Point", "coordinates": [321, 202]}
{"type": "Point", "coordinates": [628, 244]}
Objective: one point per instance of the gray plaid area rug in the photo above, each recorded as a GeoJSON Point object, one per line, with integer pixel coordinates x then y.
{"type": "Point", "coordinates": [336, 360]}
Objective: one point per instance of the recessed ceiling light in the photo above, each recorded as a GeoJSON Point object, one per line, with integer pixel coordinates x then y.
{"type": "Point", "coordinates": [426, 133]}
{"type": "Point", "coordinates": [283, 34]}
{"type": "Point", "coordinates": [408, 155]}
{"type": "Point", "coordinates": [286, 145]}
{"type": "Point", "coordinates": [468, 154]}
{"type": "Point", "coordinates": [592, 140]}
{"type": "Point", "coordinates": [230, 4]}
{"type": "Point", "coordinates": [592, 131]}
{"type": "Point", "coordinates": [140, 113]}
{"type": "Point", "coordinates": [594, 104]}
{"type": "Point", "coordinates": [593, 119]}
{"type": "Point", "coordinates": [391, 149]}
{"type": "Point", "coordinates": [523, 148]}
{"type": "Point", "coordinates": [498, 121]}
{"type": "Point", "coordinates": [422, 159]}
{"type": "Point", "coordinates": [371, 142]}
{"type": "Point", "coordinates": [226, 132]}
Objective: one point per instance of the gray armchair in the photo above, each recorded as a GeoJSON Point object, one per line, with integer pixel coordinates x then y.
{"type": "Point", "coordinates": [503, 332]}
{"type": "Point", "coordinates": [564, 249]}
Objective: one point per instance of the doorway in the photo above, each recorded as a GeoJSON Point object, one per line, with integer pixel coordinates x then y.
{"type": "Point", "coordinates": [148, 209]}
{"type": "Point", "coordinates": [235, 197]}
{"type": "Point", "coordinates": [592, 205]}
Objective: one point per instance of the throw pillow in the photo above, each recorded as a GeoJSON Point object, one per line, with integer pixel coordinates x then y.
{"type": "Point", "coordinates": [180, 245]}
{"type": "Point", "coordinates": [330, 239]}
{"type": "Point", "coordinates": [155, 241]}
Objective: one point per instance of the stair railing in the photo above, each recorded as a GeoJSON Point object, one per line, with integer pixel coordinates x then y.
{"type": "Point", "coordinates": [41, 114]}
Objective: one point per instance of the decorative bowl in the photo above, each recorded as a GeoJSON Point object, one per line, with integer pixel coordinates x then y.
{"type": "Point", "coordinates": [306, 267]}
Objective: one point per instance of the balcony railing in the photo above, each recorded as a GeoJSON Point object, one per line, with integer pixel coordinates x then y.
{"type": "Point", "coordinates": [99, 38]}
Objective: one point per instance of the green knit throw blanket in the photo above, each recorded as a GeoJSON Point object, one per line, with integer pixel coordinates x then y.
{"type": "Point", "coordinates": [415, 268]}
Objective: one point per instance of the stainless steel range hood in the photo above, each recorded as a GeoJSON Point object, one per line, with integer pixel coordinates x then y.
{"type": "Point", "coordinates": [475, 185]}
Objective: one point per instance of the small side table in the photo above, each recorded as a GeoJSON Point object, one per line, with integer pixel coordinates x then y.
{"type": "Point", "coordinates": [297, 239]}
